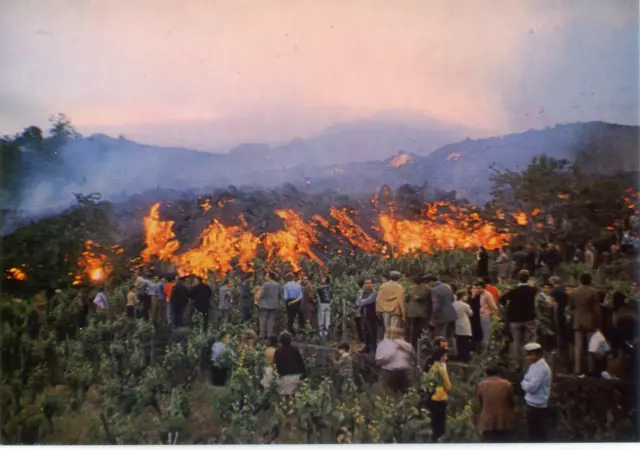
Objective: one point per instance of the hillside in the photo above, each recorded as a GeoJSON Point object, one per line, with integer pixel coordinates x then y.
{"type": "Point", "coordinates": [465, 166]}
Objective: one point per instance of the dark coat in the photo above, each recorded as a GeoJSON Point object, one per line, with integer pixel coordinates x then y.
{"type": "Point", "coordinates": [419, 303]}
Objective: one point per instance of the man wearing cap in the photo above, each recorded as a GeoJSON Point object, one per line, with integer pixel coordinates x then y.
{"type": "Point", "coordinates": [444, 315]}
{"type": "Point", "coordinates": [390, 302]}
{"type": "Point", "coordinates": [536, 385]}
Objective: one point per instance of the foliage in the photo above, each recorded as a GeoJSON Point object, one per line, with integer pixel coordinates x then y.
{"type": "Point", "coordinates": [559, 200]}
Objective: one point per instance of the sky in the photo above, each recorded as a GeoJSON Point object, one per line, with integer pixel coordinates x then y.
{"type": "Point", "coordinates": [210, 74]}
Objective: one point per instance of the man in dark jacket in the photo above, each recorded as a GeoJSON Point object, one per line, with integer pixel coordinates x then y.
{"type": "Point", "coordinates": [179, 299]}
{"type": "Point", "coordinates": [246, 300]}
{"type": "Point", "coordinates": [201, 295]}
{"type": "Point", "coordinates": [584, 304]}
{"type": "Point", "coordinates": [531, 260]}
{"type": "Point", "coordinates": [443, 315]}
{"type": "Point", "coordinates": [418, 309]}
{"type": "Point", "coordinates": [521, 317]}
{"type": "Point", "coordinates": [560, 301]}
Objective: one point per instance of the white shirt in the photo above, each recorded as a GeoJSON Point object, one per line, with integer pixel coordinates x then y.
{"type": "Point", "coordinates": [463, 312]}
{"type": "Point", "coordinates": [399, 352]}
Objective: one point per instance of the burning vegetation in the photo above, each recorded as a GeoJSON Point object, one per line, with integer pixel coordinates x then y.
{"type": "Point", "coordinates": [441, 226]}
{"type": "Point", "coordinates": [92, 265]}
{"type": "Point", "coordinates": [16, 274]}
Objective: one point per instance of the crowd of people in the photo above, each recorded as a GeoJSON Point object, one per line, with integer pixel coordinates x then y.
{"type": "Point", "coordinates": [392, 319]}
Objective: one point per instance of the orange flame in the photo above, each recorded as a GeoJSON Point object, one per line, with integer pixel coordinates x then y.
{"type": "Point", "coordinates": [159, 236]}
{"type": "Point", "coordinates": [401, 160]}
{"type": "Point", "coordinates": [354, 234]}
{"type": "Point", "coordinates": [219, 246]}
{"type": "Point", "coordinates": [92, 266]}
{"type": "Point", "coordinates": [521, 218]}
{"type": "Point", "coordinates": [16, 274]}
{"type": "Point", "coordinates": [440, 231]}
{"type": "Point", "coordinates": [206, 206]}
{"type": "Point", "coordinates": [294, 242]}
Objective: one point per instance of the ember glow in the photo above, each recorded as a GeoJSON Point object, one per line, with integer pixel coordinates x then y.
{"type": "Point", "coordinates": [401, 160]}
{"type": "Point", "coordinates": [16, 274]}
{"type": "Point", "coordinates": [93, 266]}
{"type": "Point", "coordinates": [159, 236]}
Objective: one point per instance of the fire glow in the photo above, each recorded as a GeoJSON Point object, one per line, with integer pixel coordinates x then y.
{"type": "Point", "coordinates": [401, 160]}
{"type": "Point", "coordinates": [92, 266]}
{"type": "Point", "coordinates": [16, 274]}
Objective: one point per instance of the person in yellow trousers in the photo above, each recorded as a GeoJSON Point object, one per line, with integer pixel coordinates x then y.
{"type": "Point", "coordinates": [441, 387]}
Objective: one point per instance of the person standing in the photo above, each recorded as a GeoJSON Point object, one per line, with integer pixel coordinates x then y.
{"type": "Point", "coordinates": [560, 301]}
{"type": "Point", "coordinates": [463, 325]}
{"type": "Point", "coordinates": [179, 300]}
{"type": "Point", "coordinates": [325, 294]}
{"type": "Point", "coordinates": [168, 287]}
{"type": "Point", "coordinates": [521, 316]}
{"type": "Point", "coordinates": [220, 366]}
{"type": "Point", "coordinates": [225, 300]}
{"type": "Point", "coordinates": [269, 298]}
{"type": "Point", "coordinates": [309, 303]}
{"type": "Point", "coordinates": [482, 256]}
{"type": "Point", "coordinates": [132, 302]}
{"type": "Point", "coordinates": [584, 304]}
{"type": "Point", "coordinates": [367, 305]}
{"type": "Point", "coordinates": [502, 261]}
{"type": "Point", "coordinates": [343, 367]}
{"type": "Point", "coordinates": [142, 290]}
{"type": "Point", "coordinates": [289, 364]}
{"type": "Point", "coordinates": [293, 302]}
{"type": "Point", "coordinates": [443, 315]}
{"type": "Point", "coordinates": [536, 385]}
{"type": "Point", "coordinates": [390, 302]}
{"type": "Point", "coordinates": [441, 387]}
{"type": "Point", "coordinates": [101, 299]}
{"type": "Point", "coordinates": [495, 399]}
{"type": "Point", "coordinates": [161, 300]}
{"type": "Point", "coordinates": [395, 356]}
{"type": "Point", "coordinates": [246, 300]}
{"type": "Point", "coordinates": [531, 259]}
{"type": "Point", "coordinates": [488, 310]}
{"type": "Point", "coordinates": [418, 308]}
{"type": "Point", "coordinates": [201, 295]}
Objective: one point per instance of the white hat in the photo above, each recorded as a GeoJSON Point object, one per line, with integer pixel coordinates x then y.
{"type": "Point", "coordinates": [532, 347]}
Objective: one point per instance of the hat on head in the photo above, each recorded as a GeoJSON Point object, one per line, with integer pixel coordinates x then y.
{"type": "Point", "coordinates": [532, 347]}
{"type": "Point", "coordinates": [395, 273]}
{"type": "Point", "coordinates": [554, 280]}
{"type": "Point", "coordinates": [430, 277]}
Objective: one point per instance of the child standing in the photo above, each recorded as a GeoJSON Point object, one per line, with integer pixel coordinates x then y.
{"type": "Point", "coordinates": [132, 302]}
{"type": "Point", "coordinates": [463, 324]}
{"type": "Point", "coordinates": [344, 366]}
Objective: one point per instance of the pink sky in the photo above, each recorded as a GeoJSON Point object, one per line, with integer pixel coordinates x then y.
{"type": "Point", "coordinates": [210, 74]}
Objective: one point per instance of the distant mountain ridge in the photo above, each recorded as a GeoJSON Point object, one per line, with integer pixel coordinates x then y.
{"type": "Point", "coordinates": [353, 158]}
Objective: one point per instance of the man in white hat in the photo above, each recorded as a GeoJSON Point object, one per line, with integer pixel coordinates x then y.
{"type": "Point", "coordinates": [536, 385]}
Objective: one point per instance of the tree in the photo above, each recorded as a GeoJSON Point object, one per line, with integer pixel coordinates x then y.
{"type": "Point", "coordinates": [554, 199]}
